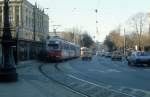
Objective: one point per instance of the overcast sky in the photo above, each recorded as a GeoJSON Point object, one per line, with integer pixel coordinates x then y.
{"type": "Point", "coordinates": [81, 13]}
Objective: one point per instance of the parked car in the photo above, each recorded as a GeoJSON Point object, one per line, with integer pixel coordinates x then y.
{"type": "Point", "coordinates": [103, 54]}
{"type": "Point", "coordinates": [98, 53]}
{"type": "Point", "coordinates": [108, 54]}
{"type": "Point", "coordinates": [116, 56]}
{"type": "Point", "coordinates": [139, 58]}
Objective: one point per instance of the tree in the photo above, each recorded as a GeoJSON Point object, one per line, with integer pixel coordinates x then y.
{"type": "Point", "coordinates": [79, 37]}
{"type": "Point", "coordinates": [114, 40]}
{"type": "Point", "coordinates": [137, 23]}
{"type": "Point", "coordinates": [117, 39]}
{"type": "Point", "coordinates": [67, 35]}
{"type": "Point", "coordinates": [86, 40]}
{"type": "Point", "coordinates": [109, 44]}
{"type": "Point", "coordinates": [75, 34]}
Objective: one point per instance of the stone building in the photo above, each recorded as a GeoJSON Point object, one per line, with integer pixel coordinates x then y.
{"type": "Point", "coordinates": [29, 25]}
{"type": "Point", "coordinates": [28, 22]}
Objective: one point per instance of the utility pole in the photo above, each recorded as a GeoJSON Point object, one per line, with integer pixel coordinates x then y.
{"type": "Point", "coordinates": [74, 38]}
{"type": "Point", "coordinates": [149, 26]}
{"type": "Point", "coordinates": [124, 42]}
{"type": "Point", "coordinates": [97, 32]}
{"type": "Point", "coordinates": [55, 28]}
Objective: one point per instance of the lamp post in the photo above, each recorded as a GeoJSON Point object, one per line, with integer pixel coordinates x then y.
{"type": "Point", "coordinates": [7, 68]}
{"type": "Point", "coordinates": [17, 45]}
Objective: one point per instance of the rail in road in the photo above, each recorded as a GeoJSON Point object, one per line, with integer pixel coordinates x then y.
{"type": "Point", "coordinates": [78, 85]}
{"type": "Point", "coordinates": [75, 70]}
{"type": "Point", "coordinates": [58, 82]}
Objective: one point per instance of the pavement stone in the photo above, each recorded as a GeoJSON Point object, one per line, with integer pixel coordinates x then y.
{"type": "Point", "coordinates": [32, 83]}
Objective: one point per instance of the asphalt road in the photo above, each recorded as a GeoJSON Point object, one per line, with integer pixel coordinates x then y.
{"type": "Point", "coordinates": [113, 75]}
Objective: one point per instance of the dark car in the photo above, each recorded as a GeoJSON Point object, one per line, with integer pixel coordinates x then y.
{"type": "Point", "coordinates": [139, 58]}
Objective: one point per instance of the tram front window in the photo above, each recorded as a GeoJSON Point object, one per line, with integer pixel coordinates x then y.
{"type": "Point", "coordinates": [53, 46]}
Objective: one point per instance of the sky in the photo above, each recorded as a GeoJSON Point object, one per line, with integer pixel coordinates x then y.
{"type": "Point", "coordinates": [81, 14]}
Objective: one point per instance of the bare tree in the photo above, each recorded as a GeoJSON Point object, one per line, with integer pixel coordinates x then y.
{"type": "Point", "coordinates": [137, 23]}
{"type": "Point", "coordinates": [110, 46]}
{"type": "Point", "coordinates": [117, 39]}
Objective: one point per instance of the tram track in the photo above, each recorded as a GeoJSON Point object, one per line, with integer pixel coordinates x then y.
{"type": "Point", "coordinates": [73, 75]}
{"type": "Point", "coordinates": [58, 82]}
{"type": "Point", "coordinates": [125, 91]}
{"type": "Point", "coordinates": [79, 86]}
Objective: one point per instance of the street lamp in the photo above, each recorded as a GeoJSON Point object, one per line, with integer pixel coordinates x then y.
{"type": "Point", "coordinates": [7, 69]}
{"type": "Point", "coordinates": [17, 45]}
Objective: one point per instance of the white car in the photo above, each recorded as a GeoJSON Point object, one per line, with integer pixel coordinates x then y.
{"type": "Point", "coordinates": [116, 55]}
{"type": "Point", "coordinates": [139, 58]}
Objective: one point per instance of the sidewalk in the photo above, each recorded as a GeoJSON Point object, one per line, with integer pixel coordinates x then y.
{"type": "Point", "coordinates": [32, 83]}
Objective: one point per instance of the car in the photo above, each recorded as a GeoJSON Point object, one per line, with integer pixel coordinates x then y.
{"type": "Point", "coordinates": [103, 54]}
{"type": "Point", "coordinates": [139, 58]}
{"type": "Point", "coordinates": [108, 54]}
{"type": "Point", "coordinates": [98, 53]}
{"type": "Point", "coordinates": [116, 56]}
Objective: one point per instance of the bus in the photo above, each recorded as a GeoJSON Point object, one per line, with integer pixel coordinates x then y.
{"type": "Point", "coordinates": [85, 53]}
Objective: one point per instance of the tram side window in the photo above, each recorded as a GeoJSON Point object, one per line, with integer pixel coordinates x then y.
{"type": "Point", "coordinates": [68, 47]}
{"type": "Point", "coordinates": [72, 48]}
{"type": "Point", "coordinates": [65, 46]}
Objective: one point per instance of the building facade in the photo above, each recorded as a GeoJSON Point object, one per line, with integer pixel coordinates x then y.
{"type": "Point", "coordinates": [29, 26]}
{"type": "Point", "coordinates": [28, 22]}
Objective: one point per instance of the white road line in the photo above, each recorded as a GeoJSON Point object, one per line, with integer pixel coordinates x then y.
{"type": "Point", "coordinates": [98, 85]}
{"type": "Point", "coordinates": [104, 71]}
{"type": "Point", "coordinates": [93, 70]}
{"type": "Point", "coordinates": [113, 70]}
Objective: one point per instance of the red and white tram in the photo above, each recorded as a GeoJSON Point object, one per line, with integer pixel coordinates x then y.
{"type": "Point", "coordinates": [60, 49]}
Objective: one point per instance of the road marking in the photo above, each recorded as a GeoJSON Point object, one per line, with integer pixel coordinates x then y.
{"type": "Point", "coordinates": [113, 70]}
{"type": "Point", "coordinates": [105, 71]}
{"type": "Point", "coordinates": [92, 70]}
{"type": "Point", "coordinates": [98, 85]}
{"type": "Point", "coordinates": [148, 69]}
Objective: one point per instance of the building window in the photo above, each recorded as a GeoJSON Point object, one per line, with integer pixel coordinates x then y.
{"type": "Point", "coordinates": [26, 17]}
{"type": "Point", "coordinates": [11, 15]}
{"type": "Point", "coordinates": [1, 16]}
{"type": "Point", "coordinates": [17, 15]}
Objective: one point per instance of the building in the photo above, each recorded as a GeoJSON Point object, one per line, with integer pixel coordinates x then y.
{"type": "Point", "coordinates": [29, 26]}
{"type": "Point", "coordinates": [28, 22]}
